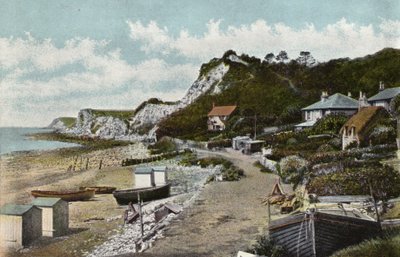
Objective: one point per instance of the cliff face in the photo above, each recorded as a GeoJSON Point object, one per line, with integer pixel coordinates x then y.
{"type": "Point", "coordinates": [140, 124]}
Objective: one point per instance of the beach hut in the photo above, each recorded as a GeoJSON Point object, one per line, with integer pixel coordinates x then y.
{"type": "Point", "coordinates": [160, 175]}
{"type": "Point", "coordinates": [19, 225]}
{"type": "Point", "coordinates": [252, 146]}
{"type": "Point", "coordinates": [55, 215]}
{"type": "Point", "coordinates": [144, 177]}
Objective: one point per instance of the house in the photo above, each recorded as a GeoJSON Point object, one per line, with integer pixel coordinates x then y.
{"type": "Point", "coordinates": [19, 225]}
{"type": "Point", "coordinates": [384, 96]}
{"type": "Point", "coordinates": [160, 175]}
{"type": "Point", "coordinates": [358, 127]}
{"type": "Point", "coordinates": [55, 215]}
{"type": "Point", "coordinates": [218, 116]}
{"type": "Point", "coordinates": [144, 177]}
{"type": "Point", "coordinates": [337, 103]}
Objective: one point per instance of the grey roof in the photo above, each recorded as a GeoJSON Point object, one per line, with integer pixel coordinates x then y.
{"type": "Point", "coordinates": [308, 123]}
{"type": "Point", "coordinates": [388, 93]}
{"type": "Point", "coordinates": [45, 201]}
{"type": "Point", "coordinates": [336, 101]}
{"type": "Point", "coordinates": [15, 209]}
{"type": "Point", "coordinates": [160, 168]}
{"type": "Point", "coordinates": [143, 170]}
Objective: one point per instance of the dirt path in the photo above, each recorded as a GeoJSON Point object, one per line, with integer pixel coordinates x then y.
{"type": "Point", "coordinates": [227, 216]}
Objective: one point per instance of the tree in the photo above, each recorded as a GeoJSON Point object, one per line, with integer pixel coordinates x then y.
{"type": "Point", "coordinates": [395, 111]}
{"type": "Point", "coordinates": [269, 58]}
{"type": "Point", "coordinates": [306, 59]}
{"type": "Point", "coordinates": [282, 56]}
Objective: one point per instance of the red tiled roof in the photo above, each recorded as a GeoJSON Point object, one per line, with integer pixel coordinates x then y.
{"type": "Point", "coordinates": [222, 110]}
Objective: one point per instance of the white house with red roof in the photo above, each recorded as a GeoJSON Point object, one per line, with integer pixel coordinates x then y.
{"type": "Point", "coordinates": [218, 116]}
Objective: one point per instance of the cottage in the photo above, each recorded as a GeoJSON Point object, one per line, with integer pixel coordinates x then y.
{"type": "Point", "coordinates": [144, 177]}
{"type": "Point", "coordinates": [160, 175]}
{"type": "Point", "coordinates": [19, 225]}
{"type": "Point", "coordinates": [55, 215]}
{"type": "Point", "coordinates": [337, 103]}
{"type": "Point", "coordinates": [218, 116]}
{"type": "Point", "coordinates": [384, 96]}
{"type": "Point", "coordinates": [359, 126]}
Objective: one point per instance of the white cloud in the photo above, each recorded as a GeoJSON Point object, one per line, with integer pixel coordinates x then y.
{"type": "Point", "coordinates": [102, 79]}
{"type": "Point", "coordinates": [341, 39]}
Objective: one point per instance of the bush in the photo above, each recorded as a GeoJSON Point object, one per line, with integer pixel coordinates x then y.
{"type": "Point", "coordinates": [292, 169]}
{"type": "Point", "coordinates": [267, 247]}
{"type": "Point", "coordinates": [164, 145]}
{"type": "Point", "coordinates": [383, 135]}
{"type": "Point", "coordinates": [291, 141]}
{"type": "Point", "coordinates": [330, 124]}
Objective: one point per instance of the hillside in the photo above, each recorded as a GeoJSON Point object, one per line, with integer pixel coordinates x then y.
{"type": "Point", "coordinates": [277, 91]}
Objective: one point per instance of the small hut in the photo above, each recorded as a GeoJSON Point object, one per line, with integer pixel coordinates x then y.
{"type": "Point", "coordinates": [253, 146]}
{"type": "Point", "coordinates": [144, 177]}
{"type": "Point", "coordinates": [160, 175]}
{"type": "Point", "coordinates": [19, 225]}
{"type": "Point", "coordinates": [55, 214]}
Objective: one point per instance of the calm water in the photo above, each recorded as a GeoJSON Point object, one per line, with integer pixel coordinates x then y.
{"type": "Point", "coordinates": [16, 139]}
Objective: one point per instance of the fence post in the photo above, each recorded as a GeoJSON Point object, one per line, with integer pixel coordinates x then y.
{"type": "Point", "coordinates": [101, 162]}
{"type": "Point", "coordinates": [87, 163]}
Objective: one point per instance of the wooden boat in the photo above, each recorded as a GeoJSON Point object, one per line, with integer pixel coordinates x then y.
{"type": "Point", "coordinates": [68, 196]}
{"type": "Point", "coordinates": [124, 197]}
{"type": "Point", "coordinates": [320, 233]}
{"type": "Point", "coordinates": [100, 189]}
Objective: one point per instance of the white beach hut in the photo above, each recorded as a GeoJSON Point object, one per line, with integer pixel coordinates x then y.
{"type": "Point", "coordinates": [144, 177]}
{"type": "Point", "coordinates": [55, 215]}
{"type": "Point", "coordinates": [160, 175]}
{"type": "Point", "coordinates": [19, 225]}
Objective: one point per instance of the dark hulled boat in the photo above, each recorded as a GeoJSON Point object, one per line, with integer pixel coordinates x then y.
{"type": "Point", "coordinates": [81, 195]}
{"type": "Point", "coordinates": [124, 197]}
{"type": "Point", "coordinates": [320, 233]}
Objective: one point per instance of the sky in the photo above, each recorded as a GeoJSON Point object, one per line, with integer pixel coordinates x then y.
{"type": "Point", "coordinates": [57, 57]}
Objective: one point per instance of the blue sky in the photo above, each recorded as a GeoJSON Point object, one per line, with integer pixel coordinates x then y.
{"type": "Point", "coordinates": [57, 57]}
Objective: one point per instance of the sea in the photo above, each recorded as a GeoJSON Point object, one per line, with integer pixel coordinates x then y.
{"type": "Point", "coordinates": [15, 139]}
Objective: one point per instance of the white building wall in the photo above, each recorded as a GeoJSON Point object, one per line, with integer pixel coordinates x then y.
{"type": "Point", "coordinates": [144, 180]}
{"type": "Point", "coordinates": [11, 232]}
{"type": "Point", "coordinates": [160, 177]}
{"type": "Point", "coordinates": [47, 221]}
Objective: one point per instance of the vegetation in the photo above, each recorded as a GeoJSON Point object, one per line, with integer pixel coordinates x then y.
{"type": "Point", "coordinates": [120, 114]}
{"type": "Point", "coordinates": [69, 122]}
{"type": "Point", "coordinates": [386, 246]}
{"type": "Point", "coordinates": [276, 91]}
{"type": "Point", "coordinates": [164, 145]}
{"type": "Point", "coordinates": [330, 124]}
{"type": "Point", "coordinates": [267, 247]}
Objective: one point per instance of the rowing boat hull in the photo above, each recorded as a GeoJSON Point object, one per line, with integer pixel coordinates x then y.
{"type": "Point", "coordinates": [124, 197]}
{"type": "Point", "coordinates": [68, 196]}
{"type": "Point", "coordinates": [100, 189]}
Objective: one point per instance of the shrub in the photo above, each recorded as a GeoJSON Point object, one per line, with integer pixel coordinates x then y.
{"type": "Point", "coordinates": [330, 124]}
{"type": "Point", "coordinates": [267, 247]}
{"type": "Point", "coordinates": [291, 141]}
{"type": "Point", "coordinates": [292, 169]}
{"type": "Point", "coordinates": [164, 145]}
{"type": "Point", "coordinates": [382, 135]}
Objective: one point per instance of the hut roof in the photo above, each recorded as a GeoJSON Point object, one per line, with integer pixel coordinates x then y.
{"type": "Point", "coordinates": [45, 201]}
{"type": "Point", "coordinates": [160, 168]}
{"type": "Point", "coordinates": [336, 101]}
{"type": "Point", "coordinates": [222, 110]}
{"type": "Point", "coordinates": [361, 119]}
{"type": "Point", "coordinates": [15, 209]}
{"type": "Point", "coordinates": [386, 94]}
{"type": "Point", "coordinates": [143, 170]}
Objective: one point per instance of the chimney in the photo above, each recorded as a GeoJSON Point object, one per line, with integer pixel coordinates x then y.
{"type": "Point", "coordinates": [349, 94]}
{"type": "Point", "coordinates": [324, 96]}
{"type": "Point", "coordinates": [381, 86]}
{"type": "Point", "coordinates": [362, 101]}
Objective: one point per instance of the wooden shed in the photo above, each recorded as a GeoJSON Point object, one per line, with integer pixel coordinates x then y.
{"type": "Point", "coordinates": [19, 225]}
{"type": "Point", "coordinates": [160, 175]}
{"type": "Point", "coordinates": [320, 233]}
{"type": "Point", "coordinates": [55, 215]}
{"type": "Point", "coordinates": [144, 177]}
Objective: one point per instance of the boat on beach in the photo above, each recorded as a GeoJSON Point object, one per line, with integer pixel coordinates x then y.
{"type": "Point", "coordinates": [99, 189]}
{"type": "Point", "coordinates": [69, 196]}
{"type": "Point", "coordinates": [126, 196]}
